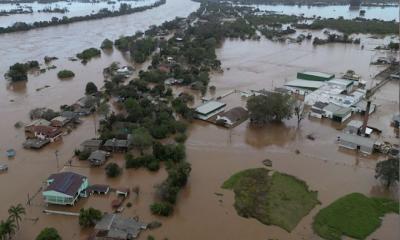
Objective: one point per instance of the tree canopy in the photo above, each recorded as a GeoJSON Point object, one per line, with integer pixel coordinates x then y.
{"type": "Point", "coordinates": [48, 233]}
{"type": "Point", "coordinates": [270, 107]}
{"type": "Point", "coordinates": [89, 217]}
{"type": "Point", "coordinates": [388, 171]}
{"type": "Point", "coordinates": [90, 88]}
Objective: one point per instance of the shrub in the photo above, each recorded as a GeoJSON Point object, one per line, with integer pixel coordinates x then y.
{"type": "Point", "coordinates": [65, 74]}
{"type": "Point", "coordinates": [106, 44]}
{"type": "Point", "coordinates": [48, 233]}
{"type": "Point", "coordinates": [90, 88]}
{"type": "Point", "coordinates": [113, 170]}
{"type": "Point", "coordinates": [89, 53]}
{"type": "Point", "coordinates": [83, 155]}
{"type": "Point", "coordinates": [89, 217]}
{"type": "Point", "coordinates": [180, 137]}
{"type": "Point", "coordinates": [161, 209]}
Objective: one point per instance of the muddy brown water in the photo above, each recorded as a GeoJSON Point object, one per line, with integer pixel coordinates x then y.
{"type": "Point", "coordinates": [215, 153]}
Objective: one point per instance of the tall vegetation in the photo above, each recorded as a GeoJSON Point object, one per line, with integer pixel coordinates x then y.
{"type": "Point", "coordinates": [270, 107]}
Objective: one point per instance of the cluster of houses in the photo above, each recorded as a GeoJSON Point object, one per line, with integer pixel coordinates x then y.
{"type": "Point", "coordinates": [100, 150]}
{"type": "Point", "coordinates": [40, 131]}
{"type": "Point", "coordinates": [330, 97]}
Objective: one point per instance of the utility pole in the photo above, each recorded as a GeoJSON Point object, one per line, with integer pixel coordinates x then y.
{"type": "Point", "coordinates": [94, 122]}
{"type": "Point", "coordinates": [56, 153]}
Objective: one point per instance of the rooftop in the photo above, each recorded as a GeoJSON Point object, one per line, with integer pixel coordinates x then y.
{"type": "Point", "coordinates": [299, 83]}
{"type": "Point", "coordinates": [340, 82]}
{"type": "Point", "coordinates": [319, 74]}
{"type": "Point", "coordinates": [65, 182]}
{"type": "Point", "coordinates": [235, 113]}
{"type": "Point", "coordinates": [209, 107]}
{"type": "Point", "coordinates": [361, 141]}
{"type": "Point", "coordinates": [116, 227]}
{"type": "Point", "coordinates": [355, 124]}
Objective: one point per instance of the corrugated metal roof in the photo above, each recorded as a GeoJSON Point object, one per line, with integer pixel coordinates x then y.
{"type": "Point", "coordinates": [209, 107]}
{"type": "Point", "coordinates": [319, 74]}
{"type": "Point", "coordinates": [305, 84]}
{"type": "Point", "coordinates": [361, 141]}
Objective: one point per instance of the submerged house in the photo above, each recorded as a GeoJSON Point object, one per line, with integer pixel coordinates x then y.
{"type": "Point", "coordinates": [37, 122]}
{"type": "Point", "coordinates": [47, 132]}
{"type": "Point", "coordinates": [355, 142]}
{"type": "Point", "coordinates": [209, 109]}
{"type": "Point", "coordinates": [65, 188]}
{"type": "Point", "coordinates": [59, 121]}
{"type": "Point", "coordinates": [118, 145]}
{"type": "Point", "coordinates": [115, 227]}
{"type": "Point", "coordinates": [317, 110]}
{"type": "Point", "coordinates": [233, 116]}
{"type": "Point", "coordinates": [98, 157]}
{"type": "Point", "coordinates": [337, 113]}
{"type": "Point", "coordinates": [91, 145]}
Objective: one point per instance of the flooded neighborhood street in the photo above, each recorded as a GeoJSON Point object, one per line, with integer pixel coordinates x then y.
{"type": "Point", "coordinates": [204, 210]}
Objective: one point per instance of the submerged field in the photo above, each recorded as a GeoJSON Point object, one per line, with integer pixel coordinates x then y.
{"type": "Point", "coordinates": [273, 198]}
{"type": "Point", "coordinates": [353, 215]}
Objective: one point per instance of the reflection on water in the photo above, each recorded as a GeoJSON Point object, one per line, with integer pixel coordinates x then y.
{"type": "Point", "coordinates": [382, 13]}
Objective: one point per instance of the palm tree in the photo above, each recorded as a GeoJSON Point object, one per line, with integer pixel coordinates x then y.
{"type": "Point", "coordinates": [2, 231]}
{"type": "Point", "coordinates": [8, 228]}
{"type": "Point", "coordinates": [16, 213]}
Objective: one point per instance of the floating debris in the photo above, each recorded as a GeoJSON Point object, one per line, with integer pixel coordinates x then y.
{"type": "Point", "coordinates": [311, 137]}
{"type": "Point", "coordinates": [3, 167]}
{"type": "Point", "coordinates": [154, 224]}
{"type": "Point", "coordinates": [11, 153]}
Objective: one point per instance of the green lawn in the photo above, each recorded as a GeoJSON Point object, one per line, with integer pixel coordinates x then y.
{"type": "Point", "coordinates": [353, 215]}
{"type": "Point", "coordinates": [273, 199]}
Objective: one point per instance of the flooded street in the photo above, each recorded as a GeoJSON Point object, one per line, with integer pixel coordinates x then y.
{"type": "Point", "coordinates": [214, 152]}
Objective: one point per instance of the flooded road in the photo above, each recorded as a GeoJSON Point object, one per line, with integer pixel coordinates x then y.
{"type": "Point", "coordinates": [215, 153]}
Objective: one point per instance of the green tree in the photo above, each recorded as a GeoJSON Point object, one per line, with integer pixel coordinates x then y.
{"type": "Point", "coordinates": [113, 170]}
{"type": "Point", "coordinates": [90, 88]}
{"type": "Point", "coordinates": [270, 107]}
{"type": "Point", "coordinates": [104, 109]}
{"type": "Point", "coordinates": [388, 171]}
{"type": "Point", "coordinates": [141, 139]}
{"type": "Point", "coordinates": [89, 217]}
{"type": "Point", "coordinates": [65, 74]}
{"type": "Point", "coordinates": [48, 233]}
{"type": "Point", "coordinates": [161, 209]}
{"type": "Point", "coordinates": [16, 213]}
{"type": "Point", "coordinates": [18, 72]}
{"type": "Point", "coordinates": [106, 44]}
{"type": "Point", "coordinates": [7, 228]}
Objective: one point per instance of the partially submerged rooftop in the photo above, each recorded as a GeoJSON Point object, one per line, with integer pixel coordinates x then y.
{"type": "Point", "coordinates": [300, 83]}
{"type": "Point", "coordinates": [113, 226]}
{"type": "Point", "coordinates": [209, 107]}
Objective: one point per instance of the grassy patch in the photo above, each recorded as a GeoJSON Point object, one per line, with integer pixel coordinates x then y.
{"type": "Point", "coordinates": [353, 215]}
{"type": "Point", "coordinates": [273, 199]}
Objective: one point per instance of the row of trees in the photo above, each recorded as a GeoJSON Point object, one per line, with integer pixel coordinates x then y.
{"type": "Point", "coordinates": [103, 13]}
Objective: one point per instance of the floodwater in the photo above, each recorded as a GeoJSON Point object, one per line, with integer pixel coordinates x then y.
{"type": "Point", "coordinates": [215, 153]}
{"type": "Point", "coordinates": [388, 13]}
{"type": "Point", "coordinates": [74, 9]}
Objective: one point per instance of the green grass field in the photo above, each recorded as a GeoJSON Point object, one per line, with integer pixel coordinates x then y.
{"type": "Point", "coordinates": [272, 198]}
{"type": "Point", "coordinates": [353, 215]}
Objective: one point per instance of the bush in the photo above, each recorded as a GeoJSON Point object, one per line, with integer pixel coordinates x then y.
{"type": "Point", "coordinates": [48, 233]}
{"type": "Point", "coordinates": [107, 44]}
{"type": "Point", "coordinates": [83, 155]}
{"type": "Point", "coordinates": [89, 217]}
{"type": "Point", "coordinates": [113, 170]}
{"type": "Point", "coordinates": [161, 209]}
{"type": "Point", "coordinates": [18, 72]}
{"type": "Point", "coordinates": [65, 74]}
{"type": "Point", "coordinates": [180, 137]}
{"type": "Point", "coordinates": [89, 53]}
{"type": "Point", "coordinates": [90, 88]}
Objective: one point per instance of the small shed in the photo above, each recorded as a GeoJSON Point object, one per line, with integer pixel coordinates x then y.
{"type": "Point", "coordinates": [342, 114]}
{"type": "Point", "coordinates": [355, 142]}
{"type": "Point", "coordinates": [353, 127]}
{"type": "Point", "coordinates": [98, 158]}
{"type": "Point", "coordinates": [98, 189]}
